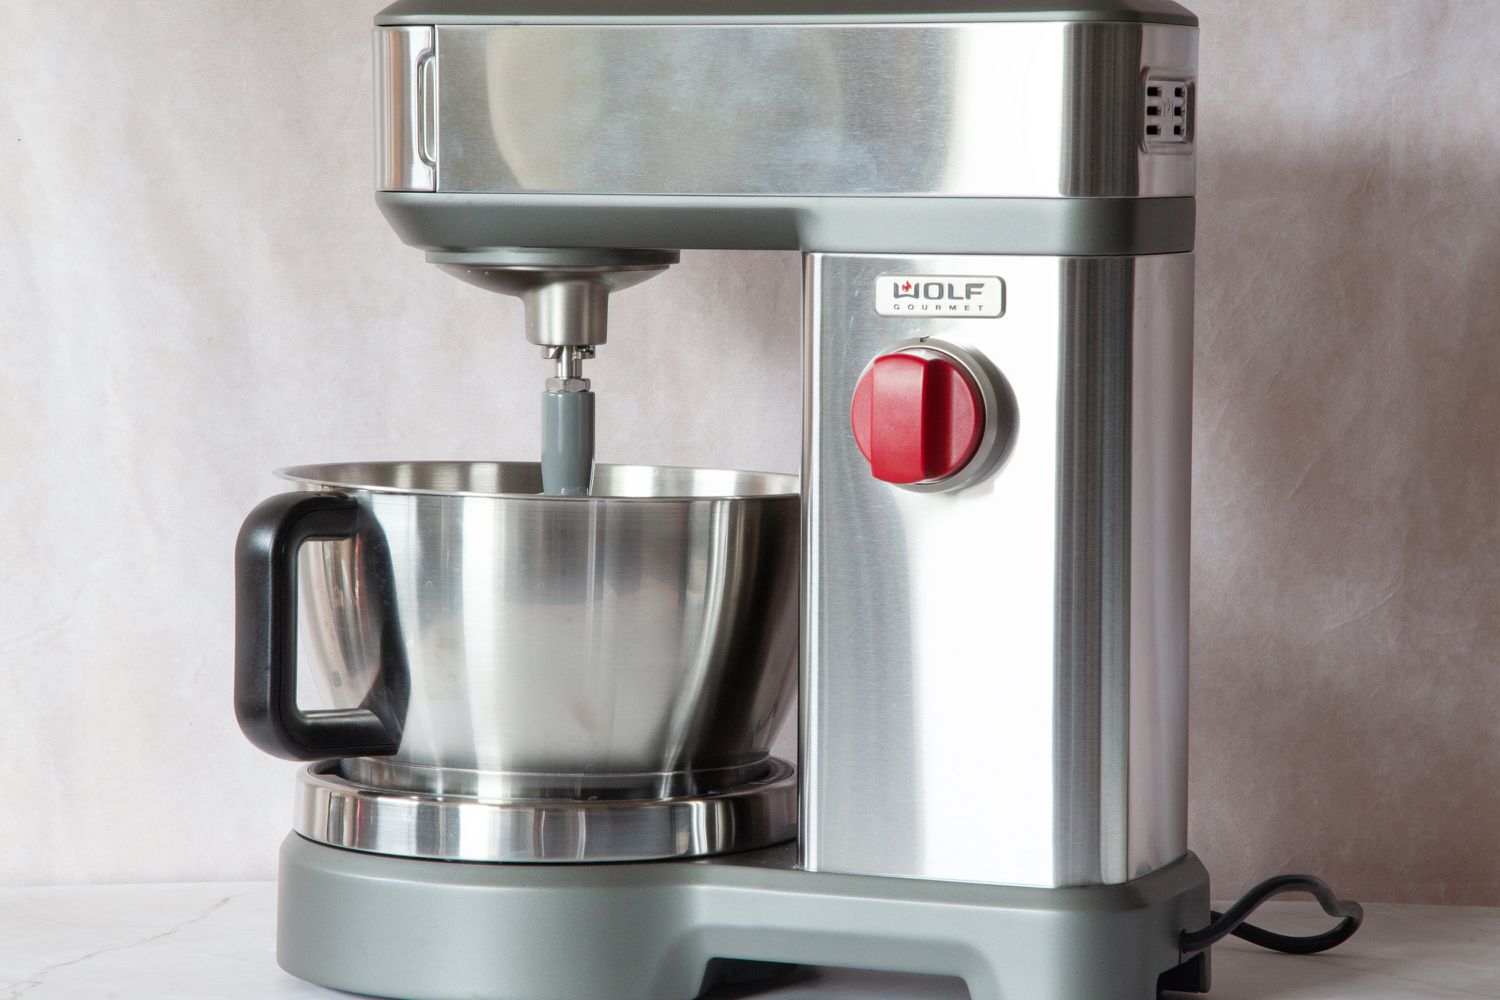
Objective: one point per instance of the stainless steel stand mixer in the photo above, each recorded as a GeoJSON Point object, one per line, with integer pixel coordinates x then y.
{"type": "Point", "coordinates": [548, 690]}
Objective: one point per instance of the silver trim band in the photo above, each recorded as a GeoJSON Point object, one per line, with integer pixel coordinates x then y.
{"type": "Point", "coordinates": [339, 812]}
{"type": "Point", "coordinates": [802, 12]}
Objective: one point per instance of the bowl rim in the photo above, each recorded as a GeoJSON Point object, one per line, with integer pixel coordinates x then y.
{"type": "Point", "coordinates": [354, 477]}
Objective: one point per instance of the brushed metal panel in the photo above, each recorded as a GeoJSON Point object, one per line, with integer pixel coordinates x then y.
{"type": "Point", "coordinates": [1161, 407]}
{"type": "Point", "coordinates": [1021, 109]}
{"type": "Point", "coordinates": [976, 684]}
{"type": "Point", "coordinates": [1093, 551]}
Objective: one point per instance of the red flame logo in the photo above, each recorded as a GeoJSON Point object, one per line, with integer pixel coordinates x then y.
{"type": "Point", "coordinates": [906, 287]}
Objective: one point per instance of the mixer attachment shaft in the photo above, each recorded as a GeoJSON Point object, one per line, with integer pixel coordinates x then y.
{"type": "Point", "coordinates": [566, 294]}
{"type": "Point", "coordinates": [567, 425]}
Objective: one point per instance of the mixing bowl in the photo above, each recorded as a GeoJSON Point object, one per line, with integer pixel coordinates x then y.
{"type": "Point", "coordinates": [463, 633]}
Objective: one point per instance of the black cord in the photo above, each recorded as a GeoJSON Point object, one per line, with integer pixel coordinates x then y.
{"type": "Point", "coordinates": [1233, 920]}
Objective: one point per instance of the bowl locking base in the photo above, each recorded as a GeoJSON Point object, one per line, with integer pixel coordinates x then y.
{"type": "Point", "coordinates": [469, 822]}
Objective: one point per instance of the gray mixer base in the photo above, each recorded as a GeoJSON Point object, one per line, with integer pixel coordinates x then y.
{"type": "Point", "coordinates": [434, 930]}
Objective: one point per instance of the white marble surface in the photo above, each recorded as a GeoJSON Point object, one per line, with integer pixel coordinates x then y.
{"type": "Point", "coordinates": [213, 941]}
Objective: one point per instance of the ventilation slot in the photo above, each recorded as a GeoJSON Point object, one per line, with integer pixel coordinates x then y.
{"type": "Point", "coordinates": [1167, 123]}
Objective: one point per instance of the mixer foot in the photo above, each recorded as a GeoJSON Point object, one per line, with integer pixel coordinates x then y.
{"type": "Point", "coordinates": [400, 927]}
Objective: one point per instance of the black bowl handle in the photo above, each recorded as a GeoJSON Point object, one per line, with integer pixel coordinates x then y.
{"type": "Point", "coordinates": [265, 653]}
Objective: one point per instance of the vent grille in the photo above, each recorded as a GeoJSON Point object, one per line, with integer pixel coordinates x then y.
{"type": "Point", "coordinates": [1167, 119]}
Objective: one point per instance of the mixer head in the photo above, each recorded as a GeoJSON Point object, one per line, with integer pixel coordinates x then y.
{"type": "Point", "coordinates": [566, 295]}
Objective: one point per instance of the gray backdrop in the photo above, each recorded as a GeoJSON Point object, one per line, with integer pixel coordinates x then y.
{"type": "Point", "coordinates": [195, 288]}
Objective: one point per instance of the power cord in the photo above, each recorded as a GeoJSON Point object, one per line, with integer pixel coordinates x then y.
{"type": "Point", "coordinates": [1232, 921]}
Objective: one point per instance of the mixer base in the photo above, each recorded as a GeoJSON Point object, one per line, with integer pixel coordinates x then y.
{"type": "Point", "coordinates": [434, 930]}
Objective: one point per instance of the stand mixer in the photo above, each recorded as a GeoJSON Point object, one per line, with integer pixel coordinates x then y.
{"type": "Point", "coordinates": [549, 689]}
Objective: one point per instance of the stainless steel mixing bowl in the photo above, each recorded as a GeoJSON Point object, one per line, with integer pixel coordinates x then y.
{"type": "Point", "coordinates": [469, 636]}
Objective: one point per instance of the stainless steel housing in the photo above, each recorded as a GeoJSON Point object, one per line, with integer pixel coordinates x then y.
{"type": "Point", "coordinates": [861, 127]}
{"type": "Point", "coordinates": [1039, 109]}
{"type": "Point", "coordinates": [994, 682]}
{"type": "Point", "coordinates": [817, 120]}
{"type": "Point", "coordinates": [999, 672]}
{"type": "Point", "coordinates": [637, 643]}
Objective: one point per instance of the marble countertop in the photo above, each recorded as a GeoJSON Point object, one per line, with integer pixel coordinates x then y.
{"type": "Point", "coordinates": [214, 940]}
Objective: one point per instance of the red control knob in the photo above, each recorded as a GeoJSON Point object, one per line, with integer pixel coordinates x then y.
{"type": "Point", "coordinates": [917, 417]}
